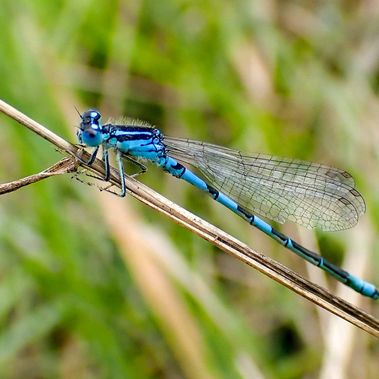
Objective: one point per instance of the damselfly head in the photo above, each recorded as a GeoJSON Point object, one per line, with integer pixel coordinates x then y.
{"type": "Point", "coordinates": [90, 131]}
{"type": "Point", "coordinates": [90, 119]}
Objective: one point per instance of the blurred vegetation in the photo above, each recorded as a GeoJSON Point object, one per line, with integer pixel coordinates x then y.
{"type": "Point", "coordinates": [98, 287]}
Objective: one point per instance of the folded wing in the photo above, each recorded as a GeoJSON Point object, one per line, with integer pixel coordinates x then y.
{"type": "Point", "coordinates": [281, 189]}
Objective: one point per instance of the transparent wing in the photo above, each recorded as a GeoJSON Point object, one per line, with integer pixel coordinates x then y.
{"type": "Point", "coordinates": [310, 194]}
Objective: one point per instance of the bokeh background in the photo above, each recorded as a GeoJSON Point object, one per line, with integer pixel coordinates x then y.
{"type": "Point", "coordinates": [93, 286]}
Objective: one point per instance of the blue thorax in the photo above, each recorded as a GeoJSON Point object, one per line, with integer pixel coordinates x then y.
{"type": "Point", "coordinates": [133, 138]}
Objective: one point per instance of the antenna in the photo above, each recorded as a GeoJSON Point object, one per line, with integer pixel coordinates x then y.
{"type": "Point", "coordinates": [77, 111]}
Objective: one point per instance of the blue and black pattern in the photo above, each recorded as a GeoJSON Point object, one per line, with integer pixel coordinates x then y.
{"type": "Point", "coordinates": [280, 189]}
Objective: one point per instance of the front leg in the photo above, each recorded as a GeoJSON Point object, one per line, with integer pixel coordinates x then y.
{"type": "Point", "coordinates": [107, 170]}
{"type": "Point", "coordinates": [91, 158]}
{"type": "Point", "coordinates": [105, 159]}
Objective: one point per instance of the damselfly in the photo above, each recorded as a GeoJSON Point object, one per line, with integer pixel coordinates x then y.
{"type": "Point", "coordinates": [310, 194]}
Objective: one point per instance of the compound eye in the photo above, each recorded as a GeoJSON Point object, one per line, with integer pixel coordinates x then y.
{"type": "Point", "coordinates": [90, 116]}
{"type": "Point", "coordinates": [95, 115]}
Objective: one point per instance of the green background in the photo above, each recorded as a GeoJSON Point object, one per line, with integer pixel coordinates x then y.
{"type": "Point", "coordinates": [92, 286]}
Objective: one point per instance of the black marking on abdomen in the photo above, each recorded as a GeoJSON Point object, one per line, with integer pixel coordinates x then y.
{"type": "Point", "coordinates": [337, 270]}
{"type": "Point", "coordinates": [179, 167]}
{"type": "Point", "coordinates": [282, 237]}
{"type": "Point", "coordinates": [315, 257]}
{"type": "Point", "coordinates": [246, 214]}
{"type": "Point", "coordinates": [212, 191]}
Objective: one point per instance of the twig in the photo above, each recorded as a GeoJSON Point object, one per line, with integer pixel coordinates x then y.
{"type": "Point", "coordinates": [64, 166]}
{"type": "Point", "coordinates": [212, 234]}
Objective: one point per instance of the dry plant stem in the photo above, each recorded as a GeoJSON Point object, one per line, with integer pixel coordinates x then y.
{"type": "Point", "coordinates": [64, 166]}
{"type": "Point", "coordinates": [212, 234]}
{"type": "Point", "coordinates": [38, 128]}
